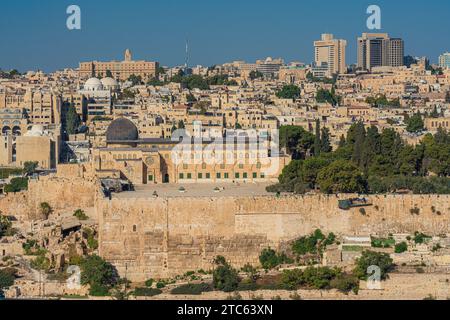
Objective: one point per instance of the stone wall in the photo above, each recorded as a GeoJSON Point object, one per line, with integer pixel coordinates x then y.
{"type": "Point", "coordinates": [60, 193]}
{"type": "Point", "coordinates": [160, 238]}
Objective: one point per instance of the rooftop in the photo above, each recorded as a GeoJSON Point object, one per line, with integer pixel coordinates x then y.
{"type": "Point", "coordinates": [197, 190]}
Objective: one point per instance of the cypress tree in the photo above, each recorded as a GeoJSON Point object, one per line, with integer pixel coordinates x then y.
{"type": "Point", "coordinates": [317, 142]}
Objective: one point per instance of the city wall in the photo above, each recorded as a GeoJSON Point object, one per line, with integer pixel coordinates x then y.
{"type": "Point", "coordinates": [164, 237]}
{"type": "Point", "coordinates": [60, 193]}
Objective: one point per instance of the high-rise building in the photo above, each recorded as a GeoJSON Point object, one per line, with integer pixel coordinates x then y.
{"type": "Point", "coordinates": [378, 50]}
{"type": "Point", "coordinates": [444, 60]}
{"type": "Point", "coordinates": [330, 52]}
{"type": "Point", "coordinates": [395, 52]}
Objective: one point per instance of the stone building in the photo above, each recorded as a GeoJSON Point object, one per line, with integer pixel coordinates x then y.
{"type": "Point", "coordinates": [150, 161]}
{"type": "Point", "coordinates": [120, 70]}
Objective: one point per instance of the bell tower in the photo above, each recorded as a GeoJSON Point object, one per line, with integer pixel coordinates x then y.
{"type": "Point", "coordinates": [128, 56]}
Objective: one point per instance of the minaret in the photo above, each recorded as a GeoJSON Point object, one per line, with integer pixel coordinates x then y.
{"type": "Point", "coordinates": [128, 56]}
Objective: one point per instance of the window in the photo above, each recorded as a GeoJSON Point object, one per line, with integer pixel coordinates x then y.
{"type": "Point", "coordinates": [241, 166]}
{"type": "Point", "coordinates": [255, 175]}
{"type": "Point", "coordinates": [208, 176]}
{"type": "Point", "coordinates": [181, 176]}
{"type": "Point", "coordinates": [189, 175]}
{"type": "Point", "coordinates": [227, 175]}
{"type": "Point", "coordinates": [237, 175]}
{"type": "Point", "coordinates": [218, 176]}
{"type": "Point", "coordinates": [245, 175]}
{"type": "Point", "coordinates": [150, 178]}
{"type": "Point", "coordinates": [263, 175]}
{"type": "Point", "coordinates": [200, 175]}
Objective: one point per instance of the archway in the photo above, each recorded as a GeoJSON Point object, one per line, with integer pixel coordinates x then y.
{"type": "Point", "coordinates": [16, 131]}
{"type": "Point", "coordinates": [166, 178]}
{"type": "Point", "coordinates": [6, 131]}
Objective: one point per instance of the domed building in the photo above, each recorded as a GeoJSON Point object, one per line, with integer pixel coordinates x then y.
{"type": "Point", "coordinates": [93, 84]}
{"type": "Point", "coordinates": [110, 84]}
{"type": "Point", "coordinates": [122, 131]}
{"type": "Point", "coordinates": [126, 156]}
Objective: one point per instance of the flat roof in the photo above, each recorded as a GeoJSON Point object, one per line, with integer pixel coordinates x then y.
{"type": "Point", "coordinates": [198, 190]}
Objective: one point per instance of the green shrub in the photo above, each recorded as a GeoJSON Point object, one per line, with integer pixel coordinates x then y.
{"type": "Point", "coordinates": [345, 283]}
{"type": "Point", "coordinates": [160, 285]}
{"type": "Point", "coordinates": [270, 259]}
{"type": "Point", "coordinates": [401, 247]}
{"type": "Point", "coordinates": [42, 263]}
{"type": "Point", "coordinates": [17, 185]}
{"type": "Point", "coordinates": [312, 277]}
{"type": "Point", "coordinates": [99, 290]}
{"type": "Point", "coordinates": [313, 244]}
{"type": "Point", "coordinates": [97, 272]}
{"type": "Point", "coordinates": [421, 238]}
{"type": "Point", "coordinates": [225, 278]}
{"type": "Point", "coordinates": [146, 292]}
{"type": "Point", "coordinates": [7, 277]}
{"type": "Point", "coordinates": [5, 226]}
{"type": "Point", "coordinates": [80, 215]}
{"type": "Point", "coordinates": [192, 289]}
{"type": "Point", "coordinates": [383, 243]}
{"type": "Point", "coordinates": [149, 283]}
{"type": "Point", "coordinates": [370, 258]}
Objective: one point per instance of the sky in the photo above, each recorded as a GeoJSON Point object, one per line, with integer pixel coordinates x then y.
{"type": "Point", "coordinates": [34, 33]}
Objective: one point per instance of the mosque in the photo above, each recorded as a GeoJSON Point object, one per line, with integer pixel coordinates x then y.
{"type": "Point", "coordinates": [154, 161]}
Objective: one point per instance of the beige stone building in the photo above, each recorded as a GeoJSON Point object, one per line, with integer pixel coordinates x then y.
{"type": "Point", "coordinates": [433, 124]}
{"type": "Point", "coordinates": [331, 52]}
{"type": "Point", "coordinates": [120, 70]}
{"type": "Point", "coordinates": [150, 161]}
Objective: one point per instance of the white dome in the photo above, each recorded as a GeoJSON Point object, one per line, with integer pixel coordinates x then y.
{"type": "Point", "coordinates": [36, 131]}
{"type": "Point", "coordinates": [109, 83]}
{"type": "Point", "coordinates": [93, 84]}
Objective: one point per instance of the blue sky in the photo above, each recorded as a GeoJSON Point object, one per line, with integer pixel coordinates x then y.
{"type": "Point", "coordinates": [34, 33]}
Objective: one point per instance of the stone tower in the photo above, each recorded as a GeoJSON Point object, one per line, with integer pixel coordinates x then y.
{"type": "Point", "coordinates": [128, 56]}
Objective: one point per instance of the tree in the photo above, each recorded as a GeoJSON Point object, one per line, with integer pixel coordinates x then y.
{"type": "Point", "coordinates": [17, 185]}
{"type": "Point", "coordinates": [181, 124]}
{"type": "Point", "coordinates": [357, 139]}
{"type": "Point", "coordinates": [190, 98]}
{"type": "Point", "coordinates": [341, 177]}
{"type": "Point", "coordinates": [109, 74]}
{"type": "Point", "coordinates": [30, 167]}
{"type": "Point", "coordinates": [46, 209]}
{"type": "Point", "coordinates": [269, 259]}
{"type": "Point", "coordinates": [401, 247]}
{"type": "Point", "coordinates": [370, 258]}
{"type": "Point", "coordinates": [325, 142]}
{"type": "Point", "coordinates": [296, 140]}
{"type": "Point", "coordinates": [370, 148]}
{"type": "Point", "coordinates": [5, 225]}
{"type": "Point", "coordinates": [135, 80]}
{"type": "Point", "coordinates": [72, 120]}
{"type": "Point", "coordinates": [7, 278]}
{"type": "Point", "coordinates": [256, 75]}
{"type": "Point", "coordinates": [225, 278]}
{"type": "Point", "coordinates": [98, 274]}
{"type": "Point", "coordinates": [317, 142]}
{"type": "Point", "coordinates": [325, 96]}
{"type": "Point", "coordinates": [415, 124]}
{"type": "Point", "coordinates": [289, 92]}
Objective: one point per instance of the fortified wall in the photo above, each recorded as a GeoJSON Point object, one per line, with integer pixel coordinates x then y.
{"type": "Point", "coordinates": [59, 193]}
{"type": "Point", "coordinates": [147, 237]}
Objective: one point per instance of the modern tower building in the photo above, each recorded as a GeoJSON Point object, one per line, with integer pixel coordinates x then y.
{"type": "Point", "coordinates": [378, 50]}
{"type": "Point", "coordinates": [444, 60]}
{"type": "Point", "coordinates": [330, 53]}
